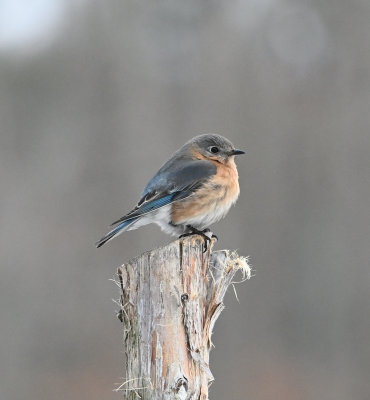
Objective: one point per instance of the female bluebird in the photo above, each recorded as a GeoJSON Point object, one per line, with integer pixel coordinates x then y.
{"type": "Point", "coordinates": [193, 189]}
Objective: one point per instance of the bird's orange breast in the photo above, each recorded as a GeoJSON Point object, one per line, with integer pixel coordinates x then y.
{"type": "Point", "coordinates": [213, 199]}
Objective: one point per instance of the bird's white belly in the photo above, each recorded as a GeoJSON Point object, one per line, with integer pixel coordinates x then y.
{"type": "Point", "coordinates": [212, 214]}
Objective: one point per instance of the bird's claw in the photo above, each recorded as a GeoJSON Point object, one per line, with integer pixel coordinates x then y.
{"type": "Point", "coordinates": [206, 234]}
{"type": "Point", "coordinates": [206, 240]}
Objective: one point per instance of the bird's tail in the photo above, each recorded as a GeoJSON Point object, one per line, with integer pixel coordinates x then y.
{"type": "Point", "coordinates": [123, 226]}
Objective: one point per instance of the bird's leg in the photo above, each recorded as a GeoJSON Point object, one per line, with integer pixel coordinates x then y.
{"type": "Point", "coordinates": [195, 231]}
{"type": "Point", "coordinates": [187, 233]}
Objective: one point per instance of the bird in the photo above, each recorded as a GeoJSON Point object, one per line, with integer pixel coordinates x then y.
{"type": "Point", "coordinates": [194, 189]}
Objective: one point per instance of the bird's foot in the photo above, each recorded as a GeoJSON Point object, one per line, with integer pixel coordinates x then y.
{"type": "Point", "coordinates": [206, 234]}
{"type": "Point", "coordinates": [210, 233]}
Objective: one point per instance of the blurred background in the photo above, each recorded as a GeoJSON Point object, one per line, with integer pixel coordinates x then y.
{"type": "Point", "coordinates": [89, 88]}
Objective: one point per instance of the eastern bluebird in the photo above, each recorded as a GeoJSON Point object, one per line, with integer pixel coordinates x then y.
{"type": "Point", "coordinates": [193, 189]}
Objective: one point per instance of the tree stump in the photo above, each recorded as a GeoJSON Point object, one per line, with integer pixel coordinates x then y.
{"type": "Point", "coordinates": [170, 300]}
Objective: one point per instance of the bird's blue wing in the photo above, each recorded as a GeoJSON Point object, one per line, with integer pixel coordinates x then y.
{"type": "Point", "coordinates": [176, 176]}
{"type": "Point", "coordinates": [171, 184]}
{"type": "Point", "coordinates": [152, 204]}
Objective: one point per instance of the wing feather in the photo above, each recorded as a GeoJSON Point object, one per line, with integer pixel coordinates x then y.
{"type": "Point", "coordinates": [174, 185]}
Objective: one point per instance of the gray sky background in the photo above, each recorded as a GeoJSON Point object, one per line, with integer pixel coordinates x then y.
{"type": "Point", "coordinates": [95, 96]}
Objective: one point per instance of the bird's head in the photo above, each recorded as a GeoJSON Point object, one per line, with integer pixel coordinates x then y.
{"type": "Point", "coordinates": [214, 147]}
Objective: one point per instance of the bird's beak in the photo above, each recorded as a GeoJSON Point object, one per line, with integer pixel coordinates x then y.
{"type": "Point", "coordinates": [236, 152]}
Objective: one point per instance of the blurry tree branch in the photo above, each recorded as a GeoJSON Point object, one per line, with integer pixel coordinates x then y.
{"type": "Point", "coordinates": [170, 300]}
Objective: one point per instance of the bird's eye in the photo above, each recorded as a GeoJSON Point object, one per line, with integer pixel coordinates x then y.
{"type": "Point", "coordinates": [214, 149]}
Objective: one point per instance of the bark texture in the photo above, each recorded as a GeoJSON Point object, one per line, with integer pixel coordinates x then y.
{"type": "Point", "coordinates": [170, 300]}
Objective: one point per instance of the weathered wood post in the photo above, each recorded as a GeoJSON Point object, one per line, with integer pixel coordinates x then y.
{"type": "Point", "coordinates": [170, 300]}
